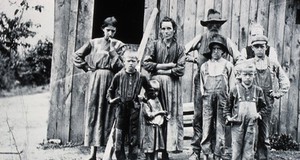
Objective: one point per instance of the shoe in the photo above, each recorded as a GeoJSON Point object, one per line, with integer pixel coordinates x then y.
{"type": "Point", "coordinates": [194, 156]}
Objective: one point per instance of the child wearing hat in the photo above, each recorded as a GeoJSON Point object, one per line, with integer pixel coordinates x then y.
{"type": "Point", "coordinates": [217, 77]}
{"type": "Point", "coordinates": [267, 71]}
{"type": "Point", "coordinates": [246, 105]}
{"type": "Point", "coordinates": [154, 115]}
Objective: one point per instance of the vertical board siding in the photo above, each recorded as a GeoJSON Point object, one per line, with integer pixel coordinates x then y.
{"type": "Point", "coordinates": [73, 27]}
{"type": "Point", "coordinates": [288, 28]}
{"type": "Point", "coordinates": [294, 77]}
{"type": "Point", "coordinates": [189, 33]}
{"type": "Point", "coordinates": [84, 34]}
{"type": "Point", "coordinates": [58, 72]}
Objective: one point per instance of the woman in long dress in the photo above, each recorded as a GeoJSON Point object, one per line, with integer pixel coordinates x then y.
{"type": "Point", "coordinates": [165, 61]}
{"type": "Point", "coordinates": [102, 58]}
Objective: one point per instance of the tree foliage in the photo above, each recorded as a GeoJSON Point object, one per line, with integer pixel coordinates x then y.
{"type": "Point", "coordinates": [13, 33]}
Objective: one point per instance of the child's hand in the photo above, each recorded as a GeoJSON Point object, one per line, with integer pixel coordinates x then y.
{"type": "Point", "coordinates": [258, 116]}
{"type": "Point", "coordinates": [168, 117]}
{"type": "Point", "coordinates": [274, 95]}
{"type": "Point", "coordinates": [115, 100]}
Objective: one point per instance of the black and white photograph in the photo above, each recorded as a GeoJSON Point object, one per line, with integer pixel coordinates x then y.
{"type": "Point", "coordinates": [150, 79]}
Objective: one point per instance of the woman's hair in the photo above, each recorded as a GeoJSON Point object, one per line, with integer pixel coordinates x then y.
{"type": "Point", "coordinates": [109, 21]}
{"type": "Point", "coordinates": [174, 25]}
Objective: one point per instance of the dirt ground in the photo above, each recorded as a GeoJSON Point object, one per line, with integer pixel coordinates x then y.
{"type": "Point", "coordinates": [23, 126]}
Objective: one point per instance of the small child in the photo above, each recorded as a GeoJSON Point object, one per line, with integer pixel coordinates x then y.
{"type": "Point", "coordinates": [246, 105]}
{"type": "Point", "coordinates": [217, 77]}
{"type": "Point", "coordinates": [153, 141]}
{"type": "Point", "coordinates": [123, 92]}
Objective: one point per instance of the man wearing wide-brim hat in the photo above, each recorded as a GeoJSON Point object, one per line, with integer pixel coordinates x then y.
{"type": "Point", "coordinates": [267, 71]}
{"type": "Point", "coordinates": [200, 43]}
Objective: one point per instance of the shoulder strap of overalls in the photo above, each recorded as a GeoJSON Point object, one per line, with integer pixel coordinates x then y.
{"type": "Point", "coordinates": [238, 92]}
{"type": "Point", "coordinates": [206, 68]}
{"type": "Point", "coordinates": [254, 94]}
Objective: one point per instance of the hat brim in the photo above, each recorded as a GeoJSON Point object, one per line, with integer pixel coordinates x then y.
{"type": "Point", "coordinates": [219, 21]}
{"type": "Point", "coordinates": [220, 44]}
{"type": "Point", "coordinates": [258, 42]}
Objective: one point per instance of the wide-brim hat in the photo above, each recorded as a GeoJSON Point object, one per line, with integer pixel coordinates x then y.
{"type": "Point", "coordinates": [213, 16]}
{"type": "Point", "coordinates": [219, 40]}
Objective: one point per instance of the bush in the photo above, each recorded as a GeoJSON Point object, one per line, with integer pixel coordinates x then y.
{"type": "Point", "coordinates": [283, 142]}
{"type": "Point", "coordinates": [35, 67]}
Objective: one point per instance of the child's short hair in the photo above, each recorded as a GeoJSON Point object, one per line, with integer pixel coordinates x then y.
{"type": "Point", "coordinates": [130, 53]}
{"type": "Point", "coordinates": [245, 66]}
{"type": "Point", "coordinates": [154, 84]}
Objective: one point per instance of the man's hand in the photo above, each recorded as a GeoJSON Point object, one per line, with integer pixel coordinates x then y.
{"type": "Point", "coordinates": [115, 100]}
{"type": "Point", "coordinates": [274, 95]}
{"type": "Point", "coordinates": [190, 59]}
{"type": "Point", "coordinates": [258, 116]}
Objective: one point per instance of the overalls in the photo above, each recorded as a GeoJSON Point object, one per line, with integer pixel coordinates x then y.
{"type": "Point", "coordinates": [214, 100]}
{"type": "Point", "coordinates": [243, 130]}
{"type": "Point", "coordinates": [263, 79]}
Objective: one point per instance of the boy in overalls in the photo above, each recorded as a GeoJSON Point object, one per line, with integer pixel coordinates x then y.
{"type": "Point", "coordinates": [217, 77]}
{"type": "Point", "coordinates": [246, 105]}
{"type": "Point", "coordinates": [267, 70]}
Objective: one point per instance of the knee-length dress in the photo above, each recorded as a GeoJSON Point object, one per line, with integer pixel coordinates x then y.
{"type": "Point", "coordinates": [99, 116]}
{"type": "Point", "coordinates": [170, 94]}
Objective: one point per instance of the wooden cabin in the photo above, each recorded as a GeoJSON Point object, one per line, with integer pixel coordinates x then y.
{"type": "Point", "coordinates": [77, 21]}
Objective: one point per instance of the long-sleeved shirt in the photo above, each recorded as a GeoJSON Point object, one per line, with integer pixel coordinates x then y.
{"type": "Point", "coordinates": [127, 86]}
{"type": "Point", "coordinates": [99, 57]}
{"type": "Point", "coordinates": [246, 93]}
{"type": "Point", "coordinates": [158, 52]}
{"type": "Point", "coordinates": [214, 68]}
{"type": "Point", "coordinates": [276, 71]}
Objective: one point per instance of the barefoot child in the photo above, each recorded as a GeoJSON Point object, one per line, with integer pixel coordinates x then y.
{"type": "Point", "coordinates": [154, 115]}
{"type": "Point", "coordinates": [246, 105]}
{"type": "Point", "coordinates": [123, 91]}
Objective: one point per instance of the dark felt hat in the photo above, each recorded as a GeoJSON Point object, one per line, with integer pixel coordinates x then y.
{"type": "Point", "coordinates": [213, 16]}
{"type": "Point", "coordinates": [219, 40]}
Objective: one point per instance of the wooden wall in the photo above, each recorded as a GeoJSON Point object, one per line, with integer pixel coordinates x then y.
{"type": "Point", "coordinates": [73, 27]}
{"type": "Point", "coordinates": [278, 17]}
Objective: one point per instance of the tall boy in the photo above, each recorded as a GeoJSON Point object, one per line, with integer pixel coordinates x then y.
{"type": "Point", "coordinates": [246, 105]}
{"type": "Point", "coordinates": [267, 71]}
{"type": "Point", "coordinates": [217, 77]}
{"type": "Point", "coordinates": [123, 91]}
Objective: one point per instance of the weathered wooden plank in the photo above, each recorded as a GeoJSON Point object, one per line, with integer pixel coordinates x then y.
{"type": "Point", "coordinates": [57, 87]}
{"type": "Point", "coordinates": [226, 14]}
{"type": "Point", "coordinates": [180, 21]}
{"type": "Point", "coordinates": [272, 24]}
{"type": "Point", "coordinates": [173, 9]}
{"type": "Point", "coordinates": [276, 32]}
{"type": "Point", "coordinates": [297, 52]}
{"type": "Point", "coordinates": [263, 14]}
{"type": "Point", "coordinates": [200, 15]}
{"type": "Point", "coordinates": [164, 9]}
{"type": "Point", "coordinates": [244, 23]}
{"type": "Point", "coordinates": [189, 34]}
{"type": "Point", "coordinates": [294, 75]}
{"type": "Point", "coordinates": [218, 5]}
{"type": "Point", "coordinates": [253, 11]}
{"type": "Point", "coordinates": [80, 79]}
{"type": "Point", "coordinates": [235, 23]}
{"type": "Point", "coordinates": [149, 6]}
{"type": "Point", "coordinates": [288, 34]}
{"type": "Point", "coordinates": [66, 119]}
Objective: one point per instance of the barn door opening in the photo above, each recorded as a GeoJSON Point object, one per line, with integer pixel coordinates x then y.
{"type": "Point", "coordinates": [129, 14]}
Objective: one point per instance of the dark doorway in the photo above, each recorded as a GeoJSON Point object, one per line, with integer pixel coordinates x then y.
{"type": "Point", "coordinates": [129, 14]}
